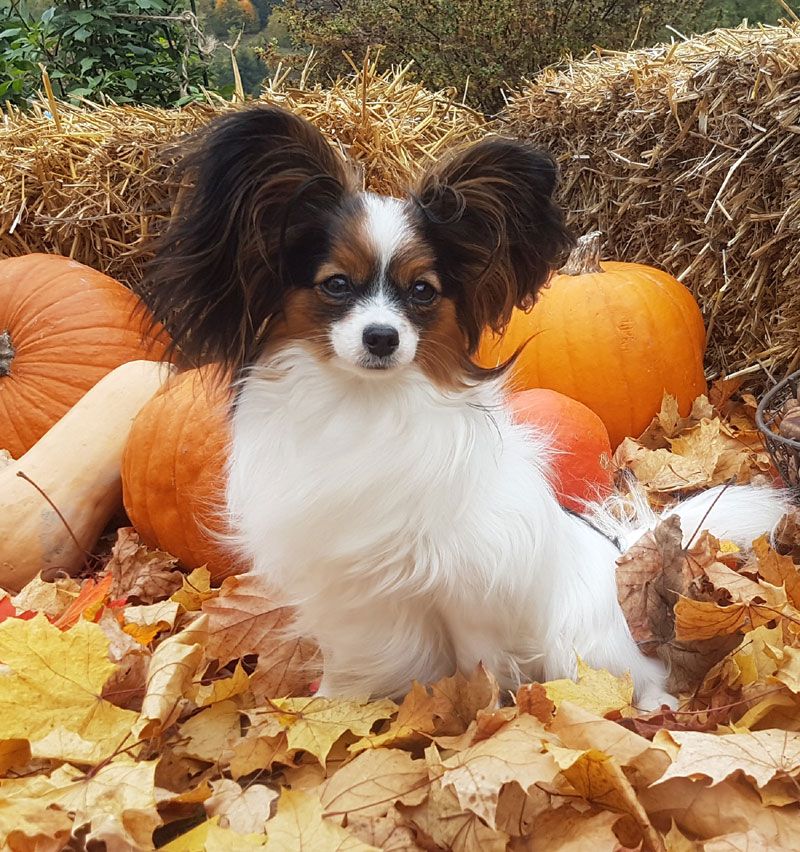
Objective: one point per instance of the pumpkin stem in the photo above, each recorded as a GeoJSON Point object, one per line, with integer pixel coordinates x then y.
{"type": "Point", "coordinates": [7, 353]}
{"type": "Point", "coordinates": [585, 257]}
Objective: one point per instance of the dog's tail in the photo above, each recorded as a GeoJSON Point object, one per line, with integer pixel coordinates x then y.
{"type": "Point", "coordinates": [737, 513]}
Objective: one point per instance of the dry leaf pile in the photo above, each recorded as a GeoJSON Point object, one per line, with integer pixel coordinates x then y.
{"type": "Point", "coordinates": [140, 707]}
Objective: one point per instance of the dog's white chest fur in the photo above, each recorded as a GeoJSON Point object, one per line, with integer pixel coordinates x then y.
{"type": "Point", "coordinates": [413, 529]}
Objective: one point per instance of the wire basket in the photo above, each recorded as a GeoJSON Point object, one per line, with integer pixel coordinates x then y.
{"type": "Point", "coordinates": [784, 451]}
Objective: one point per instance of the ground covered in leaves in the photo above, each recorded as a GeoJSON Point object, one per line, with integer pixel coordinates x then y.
{"type": "Point", "coordinates": [144, 707]}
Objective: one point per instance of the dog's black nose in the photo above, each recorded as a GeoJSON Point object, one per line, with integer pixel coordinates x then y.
{"type": "Point", "coordinates": [381, 340]}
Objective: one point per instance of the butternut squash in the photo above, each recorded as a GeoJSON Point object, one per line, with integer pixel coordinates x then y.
{"type": "Point", "coordinates": [76, 464]}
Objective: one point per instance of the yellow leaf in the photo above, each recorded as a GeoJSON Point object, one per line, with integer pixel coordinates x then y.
{"type": "Point", "coordinates": [54, 685]}
{"type": "Point", "coordinates": [196, 588]}
{"type": "Point", "coordinates": [596, 690]}
{"type": "Point", "coordinates": [222, 689]}
{"type": "Point", "coordinates": [415, 722]}
{"type": "Point", "coordinates": [243, 810]}
{"type": "Point", "coordinates": [372, 782]}
{"type": "Point", "coordinates": [696, 620]}
{"type": "Point", "coordinates": [257, 752]}
{"type": "Point", "coordinates": [729, 547]}
{"type": "Point", "coordinates": [28, 824]}
{"type": "Point", "coordinates": [514, 753]}
{"type": "Point", "coordinates": [315, 724]}
{"type": "Point", "coordinates": [145, 634]}
{"type": "Point", "coordinates": [760, 755]}
{"type": "Point", "coordinates": [599, 779]}
{"type": "Point", "coordinates": [212, 734]}
{"type": "Point", "coordinates": [161, 615]}
{"type": "Point", "coordinates": [210, 837]}
{"type": "Point", "coordinates": [115, 803]}
{"type": "Point", "coordinates": [757, 658]}
{"type": "Point", "coordinates": [299, 826]}
{"type": "Point", "coordinates": [789, 670]}
{"type": "Point", "coordinates": [169, 676]}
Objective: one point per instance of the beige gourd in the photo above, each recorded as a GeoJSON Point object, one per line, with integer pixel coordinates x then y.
{"type": "Point", "coordinates": [77, 465]}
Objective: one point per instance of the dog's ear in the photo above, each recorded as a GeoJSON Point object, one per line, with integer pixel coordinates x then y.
{"type": "Point", "coordinates": [498, 233]}
{"type": "Point", "coordinates": [258, 188]}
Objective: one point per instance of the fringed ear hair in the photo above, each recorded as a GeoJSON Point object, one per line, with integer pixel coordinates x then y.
{"type": "Point", "coordinates": [260, 187]}
{"type": "Point", "coordinates": [490, 214]}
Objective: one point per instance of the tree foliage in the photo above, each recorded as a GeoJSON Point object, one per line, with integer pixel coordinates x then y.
{"type": "Point", "coordinates": [485, 46]}
{"type": "Point", "coordinates": [142, 51]}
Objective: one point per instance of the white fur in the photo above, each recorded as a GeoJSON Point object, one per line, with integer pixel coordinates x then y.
{"type": "Point", "coordinates": [347, 334]}
{"type": "Point", "coordinates": [387, 225]}
{"type": "Point", "coordinates": [416, 533]}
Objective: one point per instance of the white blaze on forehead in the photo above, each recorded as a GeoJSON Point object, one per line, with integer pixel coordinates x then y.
{"type": "Point", "coordinates": [347, 334]}
{"type": "Point", "coordinates": [387, 224]}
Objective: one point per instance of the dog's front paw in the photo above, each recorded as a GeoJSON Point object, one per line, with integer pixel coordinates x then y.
{"type": "Point", "coordinates": [655, 698]}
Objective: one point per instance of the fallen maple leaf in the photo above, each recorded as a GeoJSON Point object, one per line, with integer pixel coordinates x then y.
{"type": "Point", "coordinates": [760, 755]}
{"type": "Point", "coordinates": [515, 753]}
{"type": "Point", "coordinates": [50, 691]}
{"type": "Point", "coordinates": [390, 833]}
{"type": "Point", "coordinates": [172, 668]}
{"type": "Point", "coordinates": [49, 598]}
{"type": "Point", "coordinates": [212, 734]}
{"type": "Point", "coordinates": [243, 621]}
{"type": "Point", "coordinates": [195, 590]}
{"type": "Point", "coordinates": [221, 689]}
{"type": "Point", "coordinates": [299, 825]}
{"type": "Point", "coordinates": [417, 720]}
{"type": "Point", "coordinates": [374, 781]}
{"type": "Point", "coordinates": [139, 573]}
{"type": "Point", "coordinates": [209, 836]}
{"type": "Point", "coordinates": [27, 824]}
{"type": "Point", "coordinates": [315, 724]}
{"type": "Point", "coordinates": [595, 689]}
{"type": "Point", "coordinates": [87, 605]}
{"type": "Point", "coordinates": [243, 810]}
{"type": "Point", "coordinates": [114, 804]}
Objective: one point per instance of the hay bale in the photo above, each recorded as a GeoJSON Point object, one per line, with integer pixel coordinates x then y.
{"type": "Point", "coordinates": [92, 183]}
{"type": "Point", "coordinates": [688, 157]}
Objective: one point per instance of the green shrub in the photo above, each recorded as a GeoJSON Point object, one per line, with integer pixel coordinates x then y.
{"type": "Point", "coordinates": [484, 46]}
{"type": "Point", "coordinates": [132, 51]}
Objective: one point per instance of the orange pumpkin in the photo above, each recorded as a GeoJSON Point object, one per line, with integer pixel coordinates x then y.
{"type": "Point", "coordinates": [63, 327]}
{"type": "Point", "coordinates": [173, 470]}
{"type": "Point", "coordinates": [614, 336]}
{"type": "Point", "coordinates": [581, 469]}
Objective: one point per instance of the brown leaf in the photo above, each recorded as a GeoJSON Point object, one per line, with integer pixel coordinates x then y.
{"type": "Point", "coordinates": [777, 570]}
{"type": "Point", "coordinates": [140, 573]}
{"type": "Point", "coordinates": [49, 598]}
{"type": "Point", "coordinates": [243, 621]}
{"type": "Point", "coordinates": [374, 781]}
{"type": "Point", "coordinates": [460, 698]}
{"type": "Point", "coordinates": [390, 833]}
{"type": "Point", "coordinates": [532, 698]}
{"type": "Point", "coordinates": [442, 819]}
{"type": "Point", "coordinates": [416, 721]}
{"type": "Point", "coordinates": [599, 779]}
{"type": "Point", "coordinates": [569, 830]}
{"type": "Point", "coordinates": [653, 572]}
{"type": "Point", "coordinates": [514, 753]}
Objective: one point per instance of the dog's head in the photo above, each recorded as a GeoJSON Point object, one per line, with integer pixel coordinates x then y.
{"type": "Point", "coordinates": [272, 242]}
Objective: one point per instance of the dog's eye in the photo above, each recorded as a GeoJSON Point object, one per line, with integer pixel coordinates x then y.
{"type": "Point", "coordinates": [423, 293]}
{"type": "Point", "coordinates": [337, 286]}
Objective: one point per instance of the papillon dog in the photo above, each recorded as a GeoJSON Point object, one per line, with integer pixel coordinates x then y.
{"type": "Point", "coordinates": [376, 476]}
